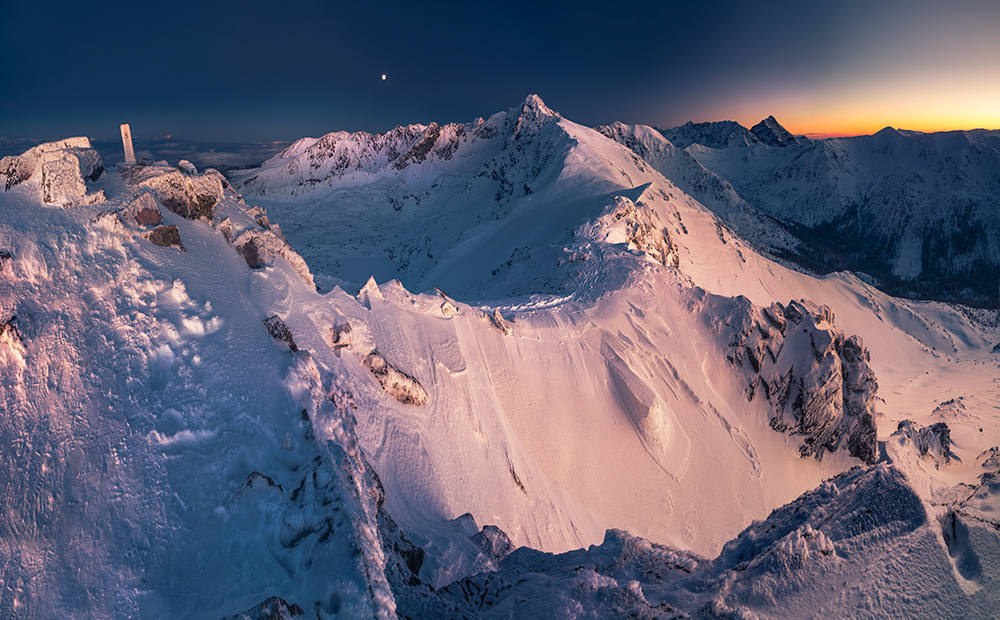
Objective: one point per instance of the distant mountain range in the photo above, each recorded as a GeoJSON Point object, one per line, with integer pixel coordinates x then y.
{"type": "Point", "coordinates": [916, 214]}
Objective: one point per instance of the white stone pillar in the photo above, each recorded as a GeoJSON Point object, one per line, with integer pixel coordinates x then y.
{"type": "Point", "coordinates": [127, 142]}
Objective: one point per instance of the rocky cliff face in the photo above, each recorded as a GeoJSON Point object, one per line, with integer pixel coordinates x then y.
{"type": "Point", "coordinates": [817, 379]}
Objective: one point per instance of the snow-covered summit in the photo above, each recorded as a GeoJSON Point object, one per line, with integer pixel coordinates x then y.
{"type": "Point", "coordinates": [770, 132]}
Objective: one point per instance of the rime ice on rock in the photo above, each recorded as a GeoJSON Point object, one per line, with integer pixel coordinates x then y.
{"type": "Point", "coordinates": [191, 196]}
{"type": "Point", "coordinates": [144, 210]}
{"type": "Point", "coordinates": [61, 168]}
{"type": "Point", "coordinates": [10, 336]}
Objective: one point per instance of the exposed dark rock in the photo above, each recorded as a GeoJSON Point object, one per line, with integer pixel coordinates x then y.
{"type": "Point", "coordinates": [280, 332]}
{"type": "Point", "coordinates": [933, 440]}
{"type": "Point", "coordinates": [396, 383]}
{"type": "Point", "coordinates": [340, 336]}
{"type": "Point", "coordinates": [770, 132]}
{"type": "Point", "coordinates": [259, 480]}
{"type": "Point", "coordinates": [274, 608]}
{"type": "Point", "coordinates": [418, 152]}
{"type": "Point", "coordinates": [819, 383]}
{"type": "Point", "coordinates": [497, 320]}
{"type": "Point", "coordinates": [145, 211]}
{"type": "Point", "coordinates": [166, 236]}
{"type": "Point", "coordinates": [252, 254]}
{"type": "Point", "coordinates": [5, 259]}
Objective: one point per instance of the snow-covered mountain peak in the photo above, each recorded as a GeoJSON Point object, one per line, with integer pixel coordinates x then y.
{"type": "Point", "coordinates": [534, 109]}
{"type": "Point", "coordinates": [771, 133]}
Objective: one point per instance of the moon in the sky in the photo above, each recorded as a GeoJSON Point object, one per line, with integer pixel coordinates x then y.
{"type": "Point", "coordinates": [383, 76]}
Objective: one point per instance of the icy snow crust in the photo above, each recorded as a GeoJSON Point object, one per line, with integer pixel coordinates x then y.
{"type": "Point", "coordinates": [171, 454]}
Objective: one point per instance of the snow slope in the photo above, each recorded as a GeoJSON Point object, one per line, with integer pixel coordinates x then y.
{"type": "Point", "coordinates": [196, 431]}
{"type": "Point", "coordinates": [575, 237]}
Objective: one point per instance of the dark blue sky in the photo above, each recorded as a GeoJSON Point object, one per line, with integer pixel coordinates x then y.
{"type": "Point", "coordinates": [283, 69]}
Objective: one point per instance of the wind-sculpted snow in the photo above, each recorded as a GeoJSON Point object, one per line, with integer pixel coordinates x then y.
{"type": "Point", "coordinates": [860, 546]}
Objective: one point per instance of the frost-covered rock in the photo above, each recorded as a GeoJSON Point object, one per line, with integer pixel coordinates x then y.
{"type": "Point", "coordinates": [144, 210]}
{"type": "Point", "coordinates": [497, 321]}
{"type": "Point", "coordinates": [11, 337]}
{"type": "Point", "coordinates": [341, 336]}
{"type": "Point", "coordinates": [396, 383]}
{"type": "Point", "coordinates": [186, 193]}
{"type": "Point", "coordinates": [636, 224]}
{"type": "Point", "coordinates": [258, 247]}
{"type": "Point", "coordinates": [494, 542]}
{"type": "Point", "coordinates": [819, 382]}
{"type": "Point", "coordinates": [61, 168]}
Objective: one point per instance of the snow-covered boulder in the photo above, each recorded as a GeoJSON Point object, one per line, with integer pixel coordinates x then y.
{"type": "Point", "coordinates": [819, 381]}
{"type": "Point", "coordinates": [184, 192]}
{"type": "Point", "coordinates": [144, 210]}
{"type": "Point", "coordinates": [257, 246]}
{"type": "Point", "coordinates": [61, 168]}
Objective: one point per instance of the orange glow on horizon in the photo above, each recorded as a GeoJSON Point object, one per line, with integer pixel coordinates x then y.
{"type": "Point", "coordinates": [957, 98]}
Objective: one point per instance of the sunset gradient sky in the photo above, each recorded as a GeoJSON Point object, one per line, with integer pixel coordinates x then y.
{"type": "Point", "coordinates": [255, 70]}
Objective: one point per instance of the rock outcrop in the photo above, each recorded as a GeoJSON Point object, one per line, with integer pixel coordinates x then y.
{"type": "Point", "coordinates": [182, 190]}
{"type": "Point", "coordinates": [818, 381]}
{"type": "Point", "coordinates": [61, 168]}
{"type": "Point", "coordinates": [933, 440]}
{"type": "Point", "coordinates": [166, 236]}
{"type": "Point", "coordinates": [280, 332]}
{"type": "Point", "coordinates": [396, 383]}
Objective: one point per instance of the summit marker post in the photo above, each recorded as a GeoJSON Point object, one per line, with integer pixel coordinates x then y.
{"type": "Point", "coordinates": [127, 143]}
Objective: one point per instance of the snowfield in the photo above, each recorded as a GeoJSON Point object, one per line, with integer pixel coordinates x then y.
{"type": "Point", "coordinates": [497, 369]}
